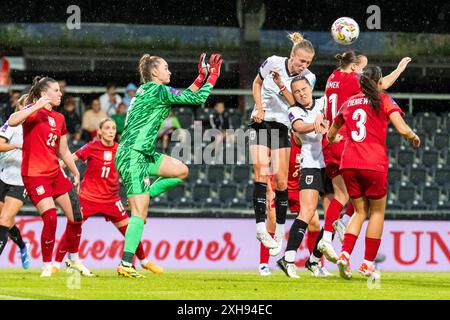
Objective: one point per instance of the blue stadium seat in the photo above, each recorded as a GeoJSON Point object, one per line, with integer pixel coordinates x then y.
{"type": "Point", "coordinates": [442, 176]}
{"type": "Point", "coordinates": [241, 174]}
{"type": "Point", "coordinates": [227, 193]}
{"type": "Point", "coordinates": [441, 141]}
{"type": "Point", "coordinates": [177, 193]}
{"type": "Point", "coordinates": [431, 196]}
{"type": "Point", "coordinates": [429, 158]}
{"type": "Point", "coordinates": [215, 174]}
{"type": "Point", "coordinates": [405, 158]}
{"type": "Point", "coordinates": [200, 192]}
{"type": "Point", "coordinates": [186, 120]}
{"type": "Point", "coordinates": [418, 176]}
{"type": "Point", "coordinates": [429, 122]}
{"type": "Point", "coordinates": [395, 175]}
{"type": "Point", "coordinates": [249, 194]}
{"type": "Point", "coordinates": [393, 139]}
{"type": "Point", "coordinates": [406, 195]}
{"type": "Point", "coordinates": [194, 173]}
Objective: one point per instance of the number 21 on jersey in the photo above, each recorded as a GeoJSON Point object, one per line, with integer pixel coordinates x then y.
{"type": "Point", "coordinates": [361, 117]}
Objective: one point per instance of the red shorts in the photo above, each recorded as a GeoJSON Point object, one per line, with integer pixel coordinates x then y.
{"type": "Point", "coordinates": [294, 200]}
{"type": "Point", "coordinates": [113, 211]}
{"type": "Point", "coordinates": [332, 155]}
{"type": "Point", "coordinates": [365, 183]}
{"type": "Point", "coordinates": [39, 188]}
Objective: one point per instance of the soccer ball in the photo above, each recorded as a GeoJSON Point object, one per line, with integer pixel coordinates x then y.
{"type": "Point", "coordinates": [345, 31]}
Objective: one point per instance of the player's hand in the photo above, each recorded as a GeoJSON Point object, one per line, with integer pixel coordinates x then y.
{"type": "Point", "coordinates": [258, 117]}
{"type": "Point", "coordinates": [43, 101]}
{"type": "Point", "coordinates": [415, 142]}
{"type": "Point", "coordinates": [215, 62]}
{"type": "Point", "coordinates": [277, 78]}
{"type": "Point", "coordinates": [403, 64]}
{"type": "Point", "coordinates": [203, 66]}
{"type": "Point", "coordinates": [18, 146]}
{"type": "Point", "coordinates": [76, 182]}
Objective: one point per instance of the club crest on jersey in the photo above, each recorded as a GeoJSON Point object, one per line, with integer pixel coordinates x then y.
{"type": "Point", "coordinates": [309, 179]}
{"type": "Point", "coordinates": [40, 190]}
{"type": "Point", "coordinates": [297, 158]}
{"type": "Point", "coordinates": [107, 155]}
{"type": "Point", "coordinates": [252, 135]}
{"type": "Point", "coordinates": [51, 122]}
{"type": "Point", "coordinates": [147, 181]}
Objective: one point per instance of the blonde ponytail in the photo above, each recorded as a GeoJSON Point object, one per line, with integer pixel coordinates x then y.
{"type": "Point", "coordinates": [296, 37]}
{"type": "Point", "coordinates": [146, 64]}
{"type": "Point", "coordinates": [299, 42]}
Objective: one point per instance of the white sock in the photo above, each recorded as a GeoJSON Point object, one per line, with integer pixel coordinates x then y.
{"type": "Point", "coordinates": [289, 256]}
{"type": "Point", "coordinates": [74, 256]}
{"type": "Point", "coordinates": [279, 229]}
{"type": "Point", "coordinates": [369, 263]}
{"type": "Point", "coordinates": [57, 265]}
{"type": "Point", "coordinates": [261, 265]}
{"type": "Point", "coordinates": [47, 264]}
{"type": "Point", "coordinates": [126, 264]}
{"type": "Point", "coordinates": [345, 219]}
{"type": "Point", "coordinates": [261, 227]}
{"type": "Point", "coordinates": [327, 236]}
{"type": "Point", "coordinates": [314, 259]}
{"type": "Point", "coordinates": [144, 261]}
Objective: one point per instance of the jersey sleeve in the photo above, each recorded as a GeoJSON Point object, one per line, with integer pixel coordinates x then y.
{"type": "Point", "coordinates": [83, 152]}
{"type": "Point", "coordinates": [390, 106]}
{"type": "Point", "coordinates": [339, 118]}
{"type": "Point", "coordinates": [266, 67]}
{"type": "Point", "coordinates": [169, 95]}
{"type": "Point", "coordinates": [296, 113]}
{"type": "Point", "coordinates": [311, 77]}
{"type": "Point", "coordinates": [6, 132]}
{"type": "Point", "coordinates": [32, 116]}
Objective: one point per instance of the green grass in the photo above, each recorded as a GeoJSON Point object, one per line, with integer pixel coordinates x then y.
{"type": "Point", "coordinates": [222, 285]}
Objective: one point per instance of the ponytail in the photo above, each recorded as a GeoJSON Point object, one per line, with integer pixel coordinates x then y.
{"type": "Point", "coordinates": [348, 57]}
{"type": "Point", "coordinates": [146, 64]}
{"type": "Point", "coordinates": [299, 42]}
{"type": "Point", "coordinates": [369, 85]}
{"type": "Point", "coordinates": [39, 85]}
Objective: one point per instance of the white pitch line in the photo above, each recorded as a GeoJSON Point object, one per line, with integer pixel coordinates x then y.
{"type": "Point", "coordinates": [4, 297]}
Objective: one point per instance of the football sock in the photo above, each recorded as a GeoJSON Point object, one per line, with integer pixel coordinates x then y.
{"type": "Point", "coordinates": [281, 205]}
{"type": "Point", "coordinates": [73, 232]}
{"type": "Point", "coordinates": [332, 214]}
{"type": "Point", "coordinates": [132, 239]}
{"type": "Point", "coordinates": [372, 246]}
{"type": "Point", "coordinates": [368, 263]}
{"type": "Point", "coordinates": [259, 201]}
{"type": "Point", "coordinates": [349, 243]}
{"type": "Point", "coordinates": [140, 253]}
{"type": "Point", "coordinates": [3, 237]}
{"type": "Point", "coordinates": [296, 234]}
{"type": "Point", "coordinates": [261, 227]}
{"type": "Point", "coordinates": [312, 238]}
{"type": "Point", "coordinates": [48, 234]}
{"type": "Point", "coordinates": [264, 252]}
{"type": "Point", "coordinates": [14, 234]}
{"type": "Point", "coordinates": [162, 185]}
{"type": "Point", "coordinates": [144, 261]}
{"type": "Point", "coordinates": [316, 251]}
{"type": "Point", "coordinates": [74, 256]}
{"type": "Point", "coordinates": [350, 210]}
{"type": "Point", "coordinates": [62, 248]}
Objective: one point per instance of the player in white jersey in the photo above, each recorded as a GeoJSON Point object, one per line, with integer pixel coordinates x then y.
{"type": "Point", "coordinates": [12, 191]}
{"type": "Point", "coordinates": [307, 119]}
{"type": "Point", "coordinates": [269, 133]}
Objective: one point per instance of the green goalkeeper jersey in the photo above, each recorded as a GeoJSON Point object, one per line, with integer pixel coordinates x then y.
{"type": "Point", "coordinates": [149, 108]}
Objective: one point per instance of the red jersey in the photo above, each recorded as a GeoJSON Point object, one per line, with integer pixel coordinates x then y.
{"type": "Point", "coordinates": [42, 133]}
{"type": "Point", "coordinates": [365, 147]}
{"type": "Point", "coordinates": [340, 86]}
{"type": "Point", "coordinates": [294, 166]}
{"type": "Point", "coordinates": [101, 179]}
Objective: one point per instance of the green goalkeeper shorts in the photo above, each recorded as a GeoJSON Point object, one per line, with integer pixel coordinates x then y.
{"type": "Point", "coordinates": [136, 168]}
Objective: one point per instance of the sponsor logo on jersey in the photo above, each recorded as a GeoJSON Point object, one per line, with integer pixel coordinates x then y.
{"type": "Point", "coordinates": [291, 116]}
{"type": "Point", "coordinates": [174, 91]}
{"type": "Point", "coordinates": [5, 127]}
{"type": "Point", "coordinates": [107, 155]}
{"type": "Point", "coordinates": [264, 63]}
{"type": "Point", "coordinates": [51, 122]}
{"type": "Point", "coordinates": [147, 181]}
{"type": "Point", "coordinates": [309, 179]}
{"type": "Point", "coordinates": [40, 190]}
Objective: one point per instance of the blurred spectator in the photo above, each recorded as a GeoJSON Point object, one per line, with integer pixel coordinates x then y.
{"type": "Point", "coordinates": [10, 105]}
{"type": "Point", "coordinates": [5, 78]}
{"type": "Point", "coordinates": [220, 119]}
{"type": "Point", "coordinates": [167, 128]}
{"type": "Point", "coordinates": [76, 141]}
{"type": "Point", "coordinates": [130, 91]}
{"type": "Point", "coordinates": [119, 119]}
{"type": "Point", "coordinates": [110, 100]}
{"type": "Point", "coordinates": [73, 122]}
{"type": "Point", "coordinates": [91, 120]}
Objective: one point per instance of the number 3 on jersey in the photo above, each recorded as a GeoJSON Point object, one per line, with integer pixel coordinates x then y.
{"type": "Point", "coordinates": [361, 116]}
{"type": "Point", "coordinates": [52, 140]}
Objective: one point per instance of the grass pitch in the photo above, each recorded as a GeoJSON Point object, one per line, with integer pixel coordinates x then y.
{"type": "Point", "coordinates": [220, 285]}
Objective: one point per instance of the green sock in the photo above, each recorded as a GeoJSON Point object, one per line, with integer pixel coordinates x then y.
{"type": "Point", "coordinates": [162, 185]}
{"type": "Point", "coordinates": [132, 238]}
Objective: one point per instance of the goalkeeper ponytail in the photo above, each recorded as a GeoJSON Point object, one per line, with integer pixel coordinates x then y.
{"type": "Point", "coordinates": [146, 64]}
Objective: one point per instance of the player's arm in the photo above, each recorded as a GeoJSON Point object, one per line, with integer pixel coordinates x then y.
{"type": "Point", "coordinates": [338, 122]}
{"type": "Point", "coordinates": [256, 90]}
{"type": "Point", "coordinates": [19, 117]}
{"type": "Point", "coordinates": [297, 117]}
{"type": "Point", "coordinates": [286, 94]}
{"type": "Point", "coordinates": [404, 130]}
{"type": "Point", "coordinates": [67, 158]}
{"type": "Point", "coordinates": [389, 80]}
{"type": "Point", "coordinates": [62, 163]}
{"type": "Point", "coordinates": [5, 146]}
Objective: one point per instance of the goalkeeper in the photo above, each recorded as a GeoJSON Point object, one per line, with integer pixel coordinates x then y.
{"type": "Point", "coordinates": [136, 158]}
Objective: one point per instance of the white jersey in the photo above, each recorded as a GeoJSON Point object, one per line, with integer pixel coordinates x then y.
{"type": "Point", "coordinates": [11, 161]}
{"type": "Point", "coordinates": [311, 155]}
{"type": "Point", "coordinates": [274, 104]}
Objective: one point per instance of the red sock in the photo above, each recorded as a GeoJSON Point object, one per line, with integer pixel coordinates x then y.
{"type": "Point", "coordinates": [312, 238]}
{"type": "Point", "coordinates": [372, 246]}
{"type": "Point", "coordinates": [62, 248]}
{"type": "Point", "coordinates": [140, 253]}
{"type": "Point", "coordinates": [350, 210]}
{"type": "Point", "coordinates": [349, 243]}
{"type": "Point", "coordinates": [48, 234]}
{"type": "Point", "coordinates": [73, 234]}
{"type": "Point", "coordinates": [333, 213]}
{"type": "Point", "coordinates": [264, 252]}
